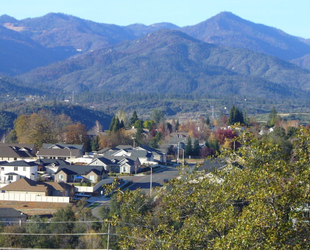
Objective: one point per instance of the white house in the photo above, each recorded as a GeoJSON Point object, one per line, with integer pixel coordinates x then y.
{"type": "Point", "coordinates": [13, 171]}
{"type": "Point", "coordinates": [128, 165]}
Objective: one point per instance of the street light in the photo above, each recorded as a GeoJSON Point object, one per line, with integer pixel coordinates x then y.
{"type": "Point", "coordinates": [179, 153]}
{"type": "Point", "coordinates": [183, 155]}
{"type": "Point", "coordinates": [151, 179]}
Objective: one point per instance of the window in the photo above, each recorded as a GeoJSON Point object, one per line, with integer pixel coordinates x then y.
{"type": "Point", "coordinates": [10, 178]}
{"type": "Point", "coordinates": [15, 168]}
{"type": "Point", "coordinates": [92, 178]}
{"type": "Point", "coordinates": [60, 177]}
{"type": "Point", "coordinates": [24, 168]}
{"type": "Point", "coordinates": [2, 168]}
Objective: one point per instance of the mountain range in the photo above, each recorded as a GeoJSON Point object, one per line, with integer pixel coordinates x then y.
{"type": "Point", "coordinates": [222, 55]}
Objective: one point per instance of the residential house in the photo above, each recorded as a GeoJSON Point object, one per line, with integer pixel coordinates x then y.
{"type": "Point", "coordinates": [13, 171]}
{"type": "Point", "coordinates": [16, 151]}
{"type": "Point", "coordinates": [61, 151]}
{"type": "Point", "coordinates": [129, 165]}
{"type": "Point", "coordinates": [110, 165]}
{"type": "Point", "coordinates": [10, 215]}
{"type": "Point", "coordinates": [77, 173]}
{"type": "Point", "coordinates": [27, 186]}
{"type": "Point", "coordinates": [145, 157]}
{"type": "Point", "coordinates": [126, 159]}
{"type": "Point", "coordinates": [107, 151]}
{"type": "Point", "coordinates": [158, 155]}
{"type": "Point", "coordinates": [50, 166]}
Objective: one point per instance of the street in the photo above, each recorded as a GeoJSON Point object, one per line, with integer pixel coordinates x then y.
{"type": "Point", "coordinates": [143, 182]}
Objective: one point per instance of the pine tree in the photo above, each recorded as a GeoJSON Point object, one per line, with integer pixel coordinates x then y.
{"type": "Point", "coordinates": [196, 148]}
{"type": "Point", "coordinates": [189, 148]}
{"type": "Point", "coordinates": [273, 117]}
{"type": "Point", "coordinates": [235, 116]}
{"type": "Point", "coordinates": [133, 118]}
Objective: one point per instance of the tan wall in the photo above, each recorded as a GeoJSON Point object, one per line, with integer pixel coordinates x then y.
{"type": "Point", "coordinates": [65, 177]}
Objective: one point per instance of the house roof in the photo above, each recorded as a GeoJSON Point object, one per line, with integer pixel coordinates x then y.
{"type": "Point", "coordinates": [114, 159]}
{"type": "Point", "coordinates": [25, 184]}
{"type": "Point", "coordinates": [20, 164]}
{"type": "Point", "coordinates": [81, 169]}
{"type": "Point", "coordinates": [60, 186]}
{"type": "Point", "coordinates": [47, 162]}
{"type": "Point", "coordinates": [128, 161]}
{"type": "Point", "coordinates": [15, 152]}
{"type": "Point", "coordinates": [108, 151]}
{"type": "Point", "coordinates": [7, 212]}
{"type": "Point", "coordinates": [153, 150]}
{"type": "Point", "coordinates": [62, 152]}
{"type": "Point", "coordinates": [124, 147]}
{"type": "Point", "coordinates": [102, 160]}
{"type": "Point", "coordinates": [62, 146]}
{"type": "Point", "coordinates": [30, 146]}
{"type": "Point", "coordinates": [140, 153]}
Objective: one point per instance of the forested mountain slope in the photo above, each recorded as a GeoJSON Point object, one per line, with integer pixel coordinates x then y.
{"type": "Point", "coordinates": [230, 30]}
{"type": "Point", "coordinates": [171, 61]}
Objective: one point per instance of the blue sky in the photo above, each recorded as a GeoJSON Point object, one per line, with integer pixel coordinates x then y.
{"type": "Point", "coordinates": [290, 16]}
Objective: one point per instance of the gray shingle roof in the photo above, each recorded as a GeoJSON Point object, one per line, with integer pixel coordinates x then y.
{"type": "Point", "coordinates": [25, 184]}
{"type": "Point", "coordinates": [80, 169]}
{"type": "Point", "coordinates": [20, 164]}
{"type": "Point", "coordinates": [64, 152]}
{"type": "Point", "coordinates": [15, 152]}
{"type": "Point", "coordinates": [7, 212]}
{"type": "Point", "coordinates": [60, 145]}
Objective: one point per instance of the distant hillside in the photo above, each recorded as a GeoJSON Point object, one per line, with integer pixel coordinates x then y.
{"type": "Point", "coordinates": [57, 36]}
{"type": "Point", "coordinates": [20, 54]}
{"type": "Point", "coordinates": [13, 87]}
{"type": "Point", "coordinates": [77, 113]}
{"type": "Point", "coordinates": [171, 61]}
{"type": "Point", "coordinates": [230, 30]}
{"type": "Point", "coordinates": [303, 62]}
{"type": "Point", "coordinates": [57, 30]}
{"type": "Point", "coordinates": [140, 30]}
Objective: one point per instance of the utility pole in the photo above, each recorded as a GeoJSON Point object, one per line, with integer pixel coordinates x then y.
{"type": "Point", "coordinates": [151, 179]}
{"type": "Point", "coordinates": [108, 241]}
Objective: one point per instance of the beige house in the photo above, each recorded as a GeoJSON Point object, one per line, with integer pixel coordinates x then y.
{"type": "Point", "coordinates": [16, 152]}
{"type": "Point", "coordinates": [27, 186]}
{"type": "Point", "coordinates": [61, 151]}
{"type": "Point", "coordinates": [77, 173]}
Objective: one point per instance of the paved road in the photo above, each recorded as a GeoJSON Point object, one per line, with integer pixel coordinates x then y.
{"type": "Point", "coordinates": [143, 182]}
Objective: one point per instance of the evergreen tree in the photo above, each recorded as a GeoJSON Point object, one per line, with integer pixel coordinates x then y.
{"type": "Point", "coordinates": [157, 116]}
{"type": "Point", "coordinates": [273, 117]}
{"type": "Point", "coordinates": [189, 148]}
{"type": "Point", "coordinates": [196, 148]}
{"type": "Point", "coordinates": [117, 125]}
{"type": "Point", "coordinates": [208, 120]}
{"type": "Point", "coordinates": [235, 116]}
{"type": "Point", "coordinates": [112, 124]}
{"type": "Point", "coordinates": [177, 125]}
{"type": "Point", "coordinates": [94, 143]}
{"type": "Point", "coordinates": [139, 134]}
{"type": "Point", "coordinates": [133, 118]}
